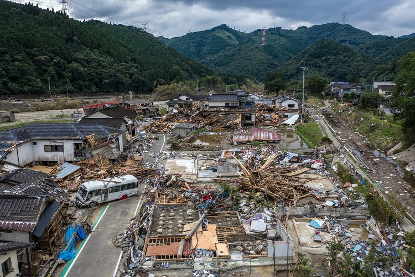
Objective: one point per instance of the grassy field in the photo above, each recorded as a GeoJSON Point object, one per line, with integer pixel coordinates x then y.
{"type": "Point", "coordinates": [382, 135]}
{"type": "Point", "coordinates": [310, 133]}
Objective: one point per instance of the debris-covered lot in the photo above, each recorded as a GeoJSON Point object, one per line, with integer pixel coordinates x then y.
{"type": "Point", "coordinates": [217, 191]}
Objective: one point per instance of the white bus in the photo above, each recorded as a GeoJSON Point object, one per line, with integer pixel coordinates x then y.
{"type": "Point", "coordinates": [93, 193]}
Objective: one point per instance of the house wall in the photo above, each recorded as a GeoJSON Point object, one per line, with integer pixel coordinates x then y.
{"type": "Point", "coordinates": [68, 153]}
{"type": "Point", "coordinates": [12, 254]}
{"type": "Point", "coordinates": [223, 104]}
{"type": "Point", "coordinates": [18, 236]}
{"type": "Point", "coordinates": [288, 102]}
{"type": "Point", "coordinates": [21, 155]}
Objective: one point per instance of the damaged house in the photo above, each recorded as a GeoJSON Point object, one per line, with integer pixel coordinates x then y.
{"type": "Point", "coordinates": [31, 207]}
{"type": "Point", "coordinates": [59, 142]}
{"type": "Point", "coordinates": [118, 117]}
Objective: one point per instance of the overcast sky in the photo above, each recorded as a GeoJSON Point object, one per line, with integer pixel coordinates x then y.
{"type": "Point", "coordinates": [172, 18]}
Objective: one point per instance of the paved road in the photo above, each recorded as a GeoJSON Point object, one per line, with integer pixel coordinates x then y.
{"type": "Point", "coordinates": [99, 257]}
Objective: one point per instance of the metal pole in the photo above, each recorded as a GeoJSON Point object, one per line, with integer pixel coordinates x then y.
{"type": "Point", "coordinates": [302, 104]}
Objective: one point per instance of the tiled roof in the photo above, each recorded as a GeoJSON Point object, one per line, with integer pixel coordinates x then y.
{"type": "Point", "coordinates": [115, 122]}
{"type": "Point", "coordinates": [5, 149]}
{"type": "Point", "coordinates": [20, 213]}
{"type": "Point", "coordinates": [29, 182]}
{"type": "Point", "coordinates": [224, 97]}
{"type": "Point", "coordinates": [13, 245]}
{"type": "Point", "coordinates": [56, 131]}
{"type": "Point", "coordinates": [119, 112]}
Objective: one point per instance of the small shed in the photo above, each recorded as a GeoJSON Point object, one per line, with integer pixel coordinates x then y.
{"type": "Point", "coordinates": [7, 116]}
{"type": "Point", "coordinates": [181, 130]}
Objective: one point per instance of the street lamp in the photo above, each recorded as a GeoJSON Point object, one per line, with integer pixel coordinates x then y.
{"type": "Point", "coordinates": [302, 104]}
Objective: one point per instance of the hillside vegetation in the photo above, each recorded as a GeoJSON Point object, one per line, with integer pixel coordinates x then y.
{"type": "Point", "coordinates": [227, 50]}
{"type": "Point", "coordinates": [39, 48]}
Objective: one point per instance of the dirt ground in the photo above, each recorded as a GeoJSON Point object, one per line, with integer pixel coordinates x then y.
{"type": "Point", "coordinates": [39, 115]}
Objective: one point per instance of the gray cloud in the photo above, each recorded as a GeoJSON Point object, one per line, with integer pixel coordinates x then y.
{"type": "Point", "coordinates": [177, 17]}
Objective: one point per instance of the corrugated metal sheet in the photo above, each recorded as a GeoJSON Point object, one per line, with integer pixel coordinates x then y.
{"type": "Point", "coordinates": [255, 134]}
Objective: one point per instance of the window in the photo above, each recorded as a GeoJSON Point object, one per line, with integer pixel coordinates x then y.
{"type": "Point", "coordinates": [6, 267]}
{"type": "Point", "coordinates": [34, 143]}
{"type": "Point", "coordinates": [124, 187]}
{"type": "Point", "coordinates": [291, 105]}
{"type": "Point", "coordinates": [115, 189]}
{"type": "Point", "coordinates": [53, 148]}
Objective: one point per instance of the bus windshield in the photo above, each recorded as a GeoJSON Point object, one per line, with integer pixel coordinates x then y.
{"type": "Point", "coordinates": [82, 192]}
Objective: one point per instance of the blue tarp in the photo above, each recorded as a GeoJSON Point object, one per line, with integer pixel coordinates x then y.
{"type": "Point", "coordinates": [80, 232]}
{"type": "Point", "coordinates": [316, 223]}
{"type": "Point", "coordinates": [70, 252]}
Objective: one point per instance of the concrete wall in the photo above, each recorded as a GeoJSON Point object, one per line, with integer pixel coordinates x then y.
{"type": "Point", "coordinates": [182, 132]}
{"type": "Point", "coordinates": [12, 254]}
{"type": "Point", "coordinates": [15, 236]}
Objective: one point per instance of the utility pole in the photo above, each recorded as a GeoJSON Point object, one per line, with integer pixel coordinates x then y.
{"type": "Point", "coordinates": [302, 104]}
{"type": "Point", "coordinates": [49, 83]}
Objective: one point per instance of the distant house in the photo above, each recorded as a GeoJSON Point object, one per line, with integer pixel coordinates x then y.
{"type": "Point", "coordinates": [338, 87]}
{"type": "Point", "coordinates": [181, 130]}
{"type": "Point", "coordinates": [179, 103]}
{"type": "Point", "coordinates": [386, 90]}
{"type": "Point", "coordinates": [224, 100]}
{"type": "Point", "coordinates": [187, 100]}
{"type": "Point", "coordinates": [56, 142]}
{"type": "Point", "coordinates": [117, 114]}
{"type": "Point", "coordinates": [287, 102]}
{"type": "Point", "coordinates": [7, 116]}
{"type": "Point", "coordinates": [117, 123]}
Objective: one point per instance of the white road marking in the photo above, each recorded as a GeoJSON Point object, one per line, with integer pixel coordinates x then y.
{"type": "Point", "coordinates": [118, 265]}
{"type": "Point", "coordinates": [87, 239]}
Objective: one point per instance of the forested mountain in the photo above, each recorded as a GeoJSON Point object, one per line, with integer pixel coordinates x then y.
{"type": "Point", "coordinates": [330, 59]}
{"type": "Point", "coordinates": [40, 47]}
{"type": "Point", "coordinates": [227, 50]}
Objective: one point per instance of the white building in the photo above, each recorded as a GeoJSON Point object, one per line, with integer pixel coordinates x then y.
{"type": "Point", "coordinates": [54, 142]}
{"type": "Point", "coordinates": [287, 102]}
{"type": "Point", "coordinates": [9, 258]}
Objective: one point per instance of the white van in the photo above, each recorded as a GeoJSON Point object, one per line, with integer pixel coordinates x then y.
{"type": "Point", "coordinates": [93, 193]}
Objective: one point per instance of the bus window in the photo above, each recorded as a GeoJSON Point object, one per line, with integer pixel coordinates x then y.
{"type": "Point", "coordinates": [115, 189]}
{"type": "Point", "coordinates": [124, 187]}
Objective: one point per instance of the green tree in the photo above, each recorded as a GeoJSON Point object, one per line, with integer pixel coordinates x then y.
{"type": "Point", "coordinates": [274, 82]}
{"type": "Point", "coordinates": [301, 268]}
{"type": "Point", "coordinates": [405, 80]}
{"type": "Point", "coordinates": [369, 100]}
{"type": "Point", "coordinates": [316, 84]}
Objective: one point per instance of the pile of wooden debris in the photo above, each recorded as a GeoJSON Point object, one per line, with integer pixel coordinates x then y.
{"type": "Point", "coordinates": [277, 183]}
{"type": "Point", "coordinates": [100, 167]}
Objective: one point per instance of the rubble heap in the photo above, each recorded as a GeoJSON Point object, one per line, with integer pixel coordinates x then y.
{"type": "Point", "coordinates": [275, 182]}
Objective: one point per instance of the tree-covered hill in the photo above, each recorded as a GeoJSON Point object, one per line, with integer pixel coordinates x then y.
{"type": "Point", "coordinates": [330, 59]}
{"type": "Point", "coordinates": [40, 47]}
{"type": "Point", "coordinates": [227, 50]}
